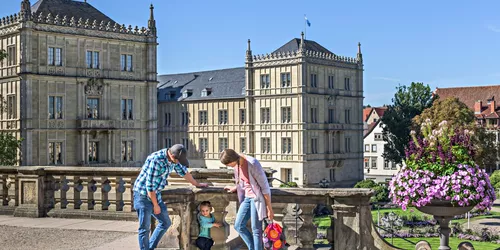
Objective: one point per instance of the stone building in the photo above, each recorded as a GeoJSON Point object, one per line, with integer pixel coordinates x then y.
{"type": "Point", "coordinates": [80, 88]}
{"type": "Point", "coordinates": [298, 110]}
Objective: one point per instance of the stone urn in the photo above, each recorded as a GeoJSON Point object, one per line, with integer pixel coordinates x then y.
{"type": "Point", "coordinates": [443, 211]}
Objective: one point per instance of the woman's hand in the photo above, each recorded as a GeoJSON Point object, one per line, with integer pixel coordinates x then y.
{"type": "Point", "coordinates": [270, 213]}
{"type": "Point", "coordinates": [230, 189]}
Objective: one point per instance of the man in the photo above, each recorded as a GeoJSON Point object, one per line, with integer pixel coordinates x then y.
{"type": "Point", "coordinates": [148, 187]}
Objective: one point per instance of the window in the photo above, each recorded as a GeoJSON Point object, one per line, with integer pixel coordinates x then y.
{"type": "Point", "coordinates": [11, 55]}
{"type": "Point", "coordinates": [168, 142]}
{"type": "Point", "coordinates": [286, 80]}
{"type": "Point", "coordinates": [386, 165]}
{"type": "Point", "coordinates": [203, 145]}
{"type": "Point", "coordinates": [265, 115]}
{"type": "Point", "coordinates": [347, 85]}
{"type": "Point", "coordinates": [55, 107]}
{"type": "Point", "coordinates": [55, 153]}
{"type": "Point", "coordinates": [332, 175]}
{"type": "Point", "coordinates": [314, 145]}
{"type": "Point", "coordinates": [127, 109]}
{"type": "Point", "coordinates": [127, 154]}
{"type": "Point", "coordinates": [288, 175]}
{"type": "Point", "coordinates": [331, 115]}
{"type": "Point", "coordinates": [168, 119]}
{"type": "Point", "coordinates": [223, 144]}
{"type": "Point", "coordinates": [347, 116]}
{"type": "Point", "coordinates": [286, 145]}
{"type": "Point", "coordinates": [92, 59]}
{"type": "Point", "coordinates": [170, 95]}
{"type": "Point", "coordinates": [126, 62]}
{"type": "Point", "coordinates": [374, 162]}
{"type": "Point", "coordinates": [367, 163]}
{"type": "Point", "coordinates": [206, 92]}
{"type": "Point", "coordinates": [223, 116]}
{"type": "Point", "coordinates": [367, 147]}
{"type": "Point", "coordinates": [243, 145]}
{"type": "Point", "coordinates": [92, 108]}
{"type": "Point", "coordinates": [286, 114]}
{"type": "Point", "coordinates": [93, 151]}
{"type": "Point", "coordinates": [242, 116]}
{"type": "Point", "coordinates": [378, 137]}
{"type": "Point", "coordinates": [203, 119]}
{"type": "Point", "coordinates": [314, 115]}
{"type": "Point", "coordinates": [11, 107]}
{"type": "Point", "coordinates": [265, 82]}
{"type": "Point", "coordinates": [54, 56]}
{"type": "Point", "coordinates": [184, 118]}
{"type": "Point", "coordinates": [314, 83]}
{"type": "Point", "coordinates": [374, 147]}
{"type": "Point", "coordinates": [331, 82]}
{"type": "Point", "coordinates": [266, 145]}
{"type": "Point", "coordinates": [185, 142]}
{"type": "Point", "coordinates": [347, 144]}
{"type": "Point", "coordinates": [393, 165]}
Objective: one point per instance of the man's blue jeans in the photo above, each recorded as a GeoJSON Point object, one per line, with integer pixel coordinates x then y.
{"type": "Point", "coordinates": [144, 208]}
{"type": "Point", "coordinates": [248, 211]}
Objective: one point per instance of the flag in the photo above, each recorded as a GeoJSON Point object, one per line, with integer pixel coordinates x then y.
{"type": "Point", "coordinates": [307, 21]}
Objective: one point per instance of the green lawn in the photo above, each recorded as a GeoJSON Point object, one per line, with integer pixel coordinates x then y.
{"type": "Point", "coordinates": [435, 243]}
{"type": "Point", "coordinates": [414, 212]}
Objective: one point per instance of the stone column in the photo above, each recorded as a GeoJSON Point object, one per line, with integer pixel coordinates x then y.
{"type": "Point", "coordinates": [31, 193]}
{"type": "Point", "coordinates": [308, 231]}
{"type": "Point", "coordinates": [82, 146]}
{"type": "Point", "coordinates": [109, 146]}
{"type": "Point", "coordinates": [87, 146]}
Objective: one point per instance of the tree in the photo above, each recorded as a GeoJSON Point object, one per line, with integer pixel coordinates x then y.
{"type": "Point", "coordinates": [9, 146]}
{"type": "Point", "coordinates": [381, 190]}
{"type": "Point", "coordinates": [457, 114]}
{"type": "Point", "coordinates": [3, 55]}
{"type": "Point", "coordinates": [407, 103]}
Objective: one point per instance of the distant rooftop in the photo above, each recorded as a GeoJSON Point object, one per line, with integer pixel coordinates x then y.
{"type": "Point", "coordinates": [218, 84]}
{"type": "Point", "coordinates": [294, 44]}
{"type": "Point", "coordinates": [69, 8]}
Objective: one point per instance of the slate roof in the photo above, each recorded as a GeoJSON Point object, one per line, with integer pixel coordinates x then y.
{"type": "Point", "coordinates": [294, 44]}
{"type": "Point", "coordinates": [223, 84]}
{"type": "Point", "coordinates": [70, 8]}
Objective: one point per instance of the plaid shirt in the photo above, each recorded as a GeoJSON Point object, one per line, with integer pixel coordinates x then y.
{"type": "Point", "coordinates": [154, 174]}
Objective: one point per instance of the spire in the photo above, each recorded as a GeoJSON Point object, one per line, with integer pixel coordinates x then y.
{"type": "Point", "coordinates": [152, 22]}
{"type": "Point", "coordinates": [249, 52]}
{"type": "Point", "coordinates": [302, 45]}
{"type": "Point", "coordinates": [360, 56]}
{"type": "Point", "coordinates": [25, 9]}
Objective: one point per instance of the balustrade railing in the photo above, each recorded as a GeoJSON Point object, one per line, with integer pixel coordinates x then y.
{"type": "Point", "coordinates": [106, 193]}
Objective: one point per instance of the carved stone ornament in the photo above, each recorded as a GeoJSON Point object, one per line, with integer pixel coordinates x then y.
{"type": "Point", "coordinates": [94, 87]}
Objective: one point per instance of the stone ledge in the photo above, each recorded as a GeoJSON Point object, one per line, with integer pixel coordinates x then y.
{"type": "Point", "coordinates": [7, 210]}
{"type": "Point", "coordinates": [90, 214]}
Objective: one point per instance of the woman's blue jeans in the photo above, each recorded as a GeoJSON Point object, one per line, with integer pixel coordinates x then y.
{"type": "Point", "coordinates": [144, 208]}
{"type": "Point", "coordinates": [248, 211]}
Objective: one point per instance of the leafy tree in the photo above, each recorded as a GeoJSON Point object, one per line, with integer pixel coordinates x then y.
{"type": "Point", "coordinates": [407, 103]}
{"type": "Point", "coordinates": [381, 190]}
{"type": "Point", "coordinates": [3, 54]}
{"type": "Point", "coordinates": [9, 146]}
{"type": "Point", "coordinates": [457, 114]}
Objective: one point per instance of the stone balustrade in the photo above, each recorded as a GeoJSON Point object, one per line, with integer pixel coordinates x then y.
{"type": "Point", "coordinates": [106, 193]}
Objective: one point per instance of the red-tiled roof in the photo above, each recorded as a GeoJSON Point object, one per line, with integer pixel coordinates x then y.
{"type": "Point", "coordinates": [380, 111]}
{"type": "Point", "coordinates": [370, 128]}
{"type": "Point", "coordinates": [469, 95]}
{"type": "Point", "coordinates": [366, 113]}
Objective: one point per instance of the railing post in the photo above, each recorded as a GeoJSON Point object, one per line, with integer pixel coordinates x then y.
{"type": "Point", "coordinates": [308, 231]}
{"type": "Point", "coordinates": [31, 193]}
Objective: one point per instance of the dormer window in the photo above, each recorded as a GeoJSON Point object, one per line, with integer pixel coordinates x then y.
{"type": "Point", "coordinates": [206, 92]}
{"type": "Point", "coordinates": [170, 95]}
{"type": "Point", "coordinates": [187, 93]}
{"type": "Point", "coordinates": [244, 91]}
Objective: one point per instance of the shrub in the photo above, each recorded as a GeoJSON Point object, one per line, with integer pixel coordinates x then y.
{"type": "Point", "coordinates": [290, 184]}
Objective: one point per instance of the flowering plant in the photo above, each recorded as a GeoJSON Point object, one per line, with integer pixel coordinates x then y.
{"type": "Point", "coordinates": [439, 165]}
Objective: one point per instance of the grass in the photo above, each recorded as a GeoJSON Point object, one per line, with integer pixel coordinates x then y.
{"type": "Point", "coordinates": [400, 243]}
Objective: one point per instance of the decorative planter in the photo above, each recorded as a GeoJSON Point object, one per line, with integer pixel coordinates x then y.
{"type": "Point", "coordinates": [443, 212]}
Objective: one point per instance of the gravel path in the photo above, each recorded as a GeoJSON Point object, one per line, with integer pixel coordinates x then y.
{"type": "Point", "coordinates": [17, 238]}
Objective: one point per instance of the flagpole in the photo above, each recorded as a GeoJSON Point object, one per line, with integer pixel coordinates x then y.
{"type": "Point", "coordinates": [305, 27]}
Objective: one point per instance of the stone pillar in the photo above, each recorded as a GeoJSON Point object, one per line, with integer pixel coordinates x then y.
{"type": "Point", "coordinates": [31, 193]}
{"type": "Point", "coordinates": [86, 148]}
{"type": "Point", "coordinates": [308, 231]}
{"type": "Point", "coordinates": [352, 219]}
{"type": "Point", "coordinates": [184, 210]}
{"type": "Point", "coordinates": [110, 158]}
{"type": "Point", "coordinates": [82, 145]}
{"type": "Point", "coordinates": [127, 194]}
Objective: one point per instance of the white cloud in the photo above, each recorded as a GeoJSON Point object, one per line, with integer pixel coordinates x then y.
{"type": "Point", "coordinates": [493, 28]}
{"type": "Point", "coordinates": [386, 79]}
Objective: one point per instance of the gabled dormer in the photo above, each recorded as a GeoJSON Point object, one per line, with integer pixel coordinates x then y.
{"type": "Point", "coordinates": [187, 93]}
{"type": "Point", "coordinates": [206, 92]}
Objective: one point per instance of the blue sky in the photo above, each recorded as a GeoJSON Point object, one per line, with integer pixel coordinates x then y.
{"type": "Point", "coordinates": [441, 43]}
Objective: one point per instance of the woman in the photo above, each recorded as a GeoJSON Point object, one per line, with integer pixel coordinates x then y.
{"type": "Point", "coordinates": [254, 195]}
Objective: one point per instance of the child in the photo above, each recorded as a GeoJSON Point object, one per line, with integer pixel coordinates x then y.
{"type": "Point", "coordinates": [206, 220]}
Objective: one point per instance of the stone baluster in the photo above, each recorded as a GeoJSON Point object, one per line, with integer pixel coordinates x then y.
{"type": "Point", "coordinates": [60, 192]}
{"type": "Point", "coordinates": [291, 223]}
{"type": "Point", "coordinates": [12, 190]}
{"type": "Point", "coordinates": [4, 191]}
{"type": "Point", "coordinates": [91, 190]}
{"type": "Point", "coordinates": [77, 192]}
{"type": "Point", "coordinates": [98, 194]}
{"type": "Point", "coordinates": [70, 195]}
{"type": "Point", "coordinates": [308, 231]}
{"type": "Point", "coordinates": [112, 194]}
{"type": "Point", "coordinates": [106, 188]}
{"type": "Point", "coordinates": [220, 235]}
{"type": "Point", "coordinates": [184, 210]}
{"type": "Point", "coordinates": [127, 194]}
{"type": "Point", "coordinates": [118, 195]}
{"type": "Point", "coordinates": [84, 193]}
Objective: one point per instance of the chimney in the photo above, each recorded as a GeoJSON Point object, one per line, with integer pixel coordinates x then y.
{"type": "Point", "coordinates": [477, 107]}
{"type": "Point", "coordinates": [493, 106]}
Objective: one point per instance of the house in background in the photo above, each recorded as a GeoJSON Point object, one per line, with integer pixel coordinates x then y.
{"type": "Point", "coordinates": [481, 100]}
{"type": "Point", "coordinates": [375, 166]}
